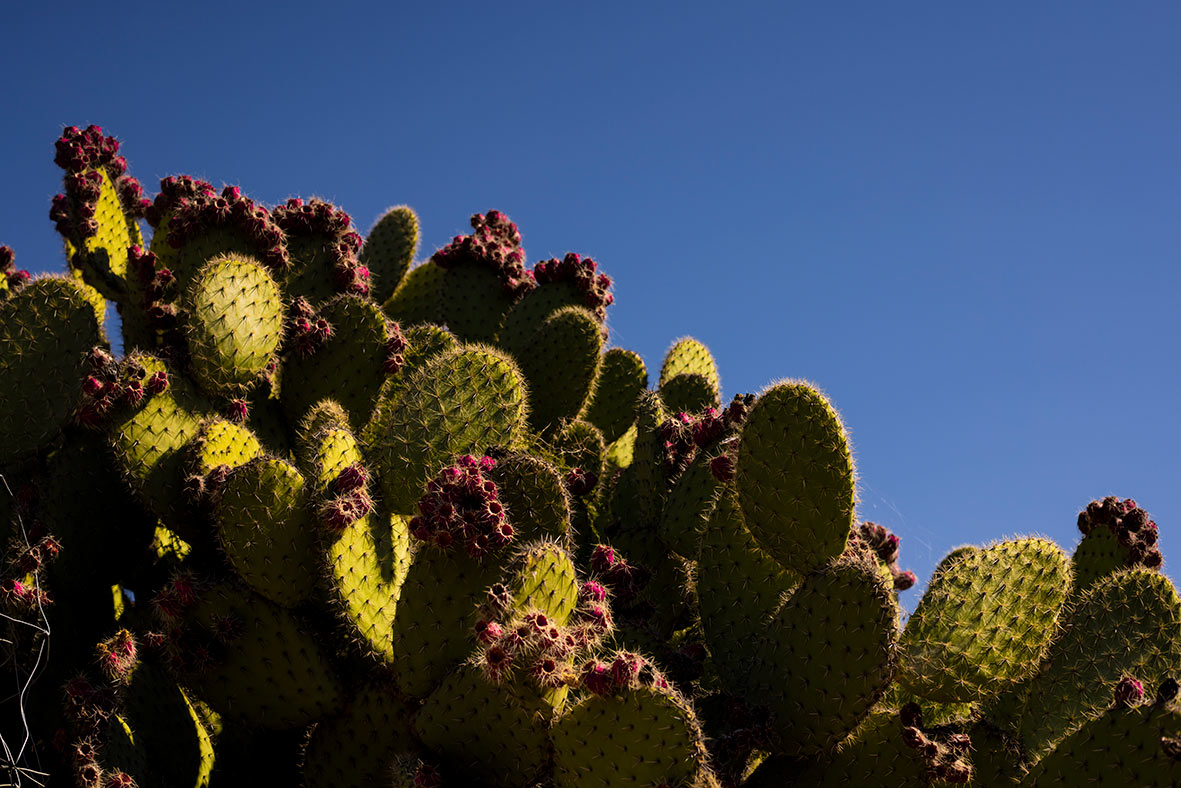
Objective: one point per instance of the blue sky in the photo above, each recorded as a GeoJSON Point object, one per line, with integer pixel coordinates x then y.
{"type": "Point", "coordinates": [960, 222]}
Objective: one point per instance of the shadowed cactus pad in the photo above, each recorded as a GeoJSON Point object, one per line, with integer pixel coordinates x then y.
{"type": "Point", "coordinates": [795, 477]}
{"type": "Point", "coordinates": [46, 330]}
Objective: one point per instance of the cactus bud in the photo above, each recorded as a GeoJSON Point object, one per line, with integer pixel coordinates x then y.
{"type": "Point", "coordinates": [1129, 692]}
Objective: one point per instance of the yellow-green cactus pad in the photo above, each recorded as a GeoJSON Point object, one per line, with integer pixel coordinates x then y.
{"type": "Point", "coordinates": [46, 330]}
{"type": "Point", "coordinates": [460, 402]}
{"type": "Point", "coordinates": [985, 621]}
{"type": "Point", "coordinates": [234, 323]}
{"type": "Point", "coordinates": [795, 476]}
{"type": "Point", "coordinates": [267, 530]}
{"type": "Point", "coordinates": [474, 302]}
{"type": "Point", "coordinates": [389, 248]}
{"type": "Point", "coordinates": [222, 442]}
{"type": "Point", "coordinates": [149, 443]}
{"type": "Point", "coordinates": [688, 507]}
{"type": "Point", "coordinates": [179, 747]}
{"type": "Point", "coordinates": [820, 672]}
{"type": "Point", "coordinates": [1127, 624]}
{"type": "Point", "coordinates": [103, 256]}
{"type": "Point", "coordinates": [637, 737]}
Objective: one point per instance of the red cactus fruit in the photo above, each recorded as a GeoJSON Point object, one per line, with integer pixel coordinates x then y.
{"type": "Point", "coordinates": [596, 678]}
{"type": "Point", "coordinates": [1129, 692]}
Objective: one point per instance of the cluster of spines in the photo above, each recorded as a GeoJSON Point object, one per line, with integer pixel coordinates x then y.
{"type": "Point", "coordinates": [495, 242]}
{"type": "Point", "coordinates": [1129, 524]}
{"type": "Point", "coordinates": [462, 509]}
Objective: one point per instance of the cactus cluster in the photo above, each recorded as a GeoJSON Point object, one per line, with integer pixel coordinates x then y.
{"type": "Point", "coordinates": [336, 518]}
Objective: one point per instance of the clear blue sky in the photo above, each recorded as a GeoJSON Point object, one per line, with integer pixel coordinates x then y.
{"type": "Point", "coordinates": [960, 220]}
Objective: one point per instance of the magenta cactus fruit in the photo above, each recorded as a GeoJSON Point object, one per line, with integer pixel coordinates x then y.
{"type": "Point", "coordinates": [1129, 692]}
{"type": "Point", "coordinates": [462, 507]}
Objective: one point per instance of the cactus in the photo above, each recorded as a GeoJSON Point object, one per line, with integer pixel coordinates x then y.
{"type": "Point", "coordinates": [357, 522]}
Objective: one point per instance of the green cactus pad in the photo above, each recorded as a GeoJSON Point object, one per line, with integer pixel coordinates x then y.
{"type": "Point", "coordinates": [638, 497]}
{"type": "Point", "coordinates": [424, 342]}
{"type": "Point", "coordinates": [1098, 554]}
{"type": "Point", "coordinates": [1124, 746]}
{"type": "Point", "coordinates": [113, 535]}
{"type": "Point", "coordinates": [821, 674]}
{"type": "Point", "coordinates": [687, 356]}
{"type": "Point", "coordinates": [795, 476]}
{"type": "Point", "coordinates": [46, 329]}
{"type": "Point", "coordinates": [496, 735]}
{"type": "Point", "coordinates": [103, 256]}
{"type": "Point", "coordinates": [642, 737]}
{"type": "Point", "coordinates": [579, 444]}
{"type": "Point", "coordinates": [266, 529]}
{"type": "Point", "coordinates": [348, 368]}
{"type": "Point", "coordinates": [689, 379]}
{"type": "Point", "coordinates": [222, 442]}
{"type": "Point", "coordinates": [533, 496]}
{"type": "Point", "coordinates": [543, 578]}
{"type": "Point", "coordinates": [874, 756]}
{"type": "Point", "coordinates": [622, 376]}
{"type": "Point", "coordinates": [434, 626]}
{"type": "Point", "coordinates": [560, 362]}
{"type": "Point", "coordinates": [621, 453]}
{"type": "Point", "coordinates": [368, 564]}
{"type": "Point", "coordinates": [358, 748]}
{"type": "Point", "coordinates": [739, 587]}
{"type": "Point", "coordinates": [533, 310]}
{"type": "Point", "coordinates": [985, 621]}
{"type": "Point", "coordinates": [1127, 624]}
{"type": "Point", "coordinates": [419, 298]}
{"type": "Point", "coordinates": [688, 507]}
{"type": "Point", "coordinates": [149, 443]}
{"type": "Point", "coordinates": [474, 302]}
{"type": "Point", "coordinates": [234, 323]}
{"type": "Point", "coordinates": [689, 394]}
{"type": "Point", "coordinates": [389, 248]}
{"type": "Point", "coordinates": [460, 402]}
{"type": "Point", "coordinates": [271, 673]}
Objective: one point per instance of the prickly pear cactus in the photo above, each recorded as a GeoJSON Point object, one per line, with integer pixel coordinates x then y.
{"type": "Point", "coordinates": [337, 517]}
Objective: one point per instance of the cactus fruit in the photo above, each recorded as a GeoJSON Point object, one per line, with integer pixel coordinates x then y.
{"type": "Point", "coordinates": [351, 521]}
